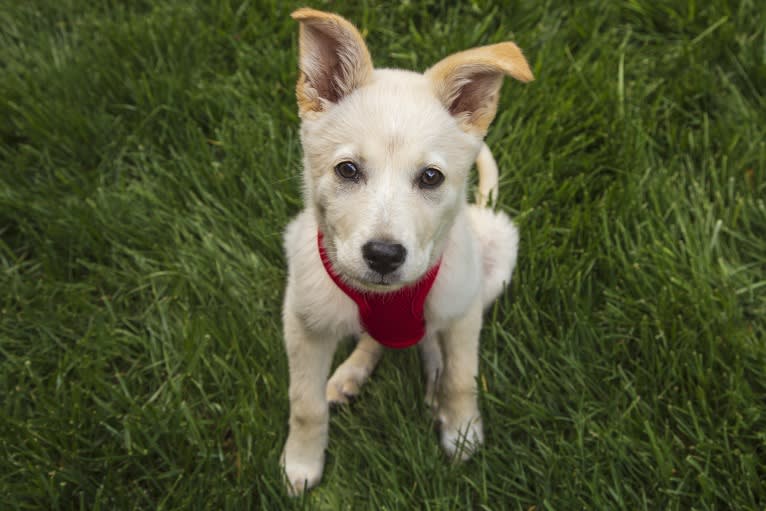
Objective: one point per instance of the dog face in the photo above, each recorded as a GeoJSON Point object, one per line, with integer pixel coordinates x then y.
{"type": "Point", "coordinates": [387, 152]}
{"type": "Point", "coordinates": [386, 172]}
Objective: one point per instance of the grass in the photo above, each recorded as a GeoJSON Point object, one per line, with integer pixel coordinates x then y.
{"type": "Point", "coordinates": [150, 160]}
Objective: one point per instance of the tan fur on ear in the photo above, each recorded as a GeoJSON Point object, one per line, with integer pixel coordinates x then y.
{"type": "Point", "coordinates": [333, 60]}
{"type": "Point", "coordinates": [468, 83]}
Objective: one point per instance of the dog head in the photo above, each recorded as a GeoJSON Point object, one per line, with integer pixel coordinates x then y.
{"type": "Point", "coordinates": [387, 152]}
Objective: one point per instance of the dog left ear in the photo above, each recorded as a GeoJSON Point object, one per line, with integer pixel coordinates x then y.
{"type": "Point", "coordinates": [333, 60]}
{"type": "Point", "coordinates": [468, 83]}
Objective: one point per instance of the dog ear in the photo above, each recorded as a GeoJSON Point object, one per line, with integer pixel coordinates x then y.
{"type": "Point", "coordinates": [468, 83]}
{"type": "Point", "coordinates": [333, 60]}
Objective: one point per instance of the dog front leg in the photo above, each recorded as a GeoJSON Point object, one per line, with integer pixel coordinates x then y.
{"type": "Point", "coordinates": [433, 367]}
{"type": "Point", "coordinates": [309, 360]}
{"type": "Point", "coordinates": [349, 377]}
{"type": "Point", "coordinates": [461, 428]}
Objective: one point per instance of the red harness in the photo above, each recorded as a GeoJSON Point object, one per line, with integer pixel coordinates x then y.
{"type": "Point", "coordinates": [393, 319]}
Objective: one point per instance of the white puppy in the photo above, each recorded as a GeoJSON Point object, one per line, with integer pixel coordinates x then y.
{"type": "Point", "coordinates": [388, 247]}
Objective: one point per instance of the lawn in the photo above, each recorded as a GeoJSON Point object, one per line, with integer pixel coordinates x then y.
{"type": "Point", "coordinates": [149, 161]}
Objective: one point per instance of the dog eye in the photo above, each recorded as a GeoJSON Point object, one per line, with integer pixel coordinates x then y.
{"type": "Point", "coordinates": [347, 170]}
{"type": "Point", "coordinates": [430, 178]}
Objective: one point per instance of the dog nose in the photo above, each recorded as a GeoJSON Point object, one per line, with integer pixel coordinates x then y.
{"type": "Point", "coordinates": [383, 257]}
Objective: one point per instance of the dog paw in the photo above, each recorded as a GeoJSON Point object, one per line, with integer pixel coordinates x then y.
{"type": "Point", "coordinates": [344, 385]}
{"type": "Point", "coordinates": [301, 475]}
{"type": "Point", "coordinates": [461, 438]}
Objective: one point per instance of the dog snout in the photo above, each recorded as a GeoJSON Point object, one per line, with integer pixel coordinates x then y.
{"type": "Point", "coordinates": [382, 256]}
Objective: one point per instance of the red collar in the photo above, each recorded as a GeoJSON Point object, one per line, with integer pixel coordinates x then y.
{"type": "Point", "coordinates": [393, 319]}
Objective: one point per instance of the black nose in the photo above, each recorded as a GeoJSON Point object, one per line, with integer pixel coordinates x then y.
{"type": "Point", "coordinates": [383, 257]}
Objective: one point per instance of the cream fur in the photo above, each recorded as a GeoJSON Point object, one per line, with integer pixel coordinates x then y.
{"type": "Point", "coordinates": [392, 124]}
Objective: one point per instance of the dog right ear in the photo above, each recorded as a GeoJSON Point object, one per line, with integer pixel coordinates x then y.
{"type": "Point", "coordinates": [468, 83]}
{"type": "Point", "coordinates": [333, 60]}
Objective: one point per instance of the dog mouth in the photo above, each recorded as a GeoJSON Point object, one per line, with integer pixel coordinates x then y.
{"type": "Point", "coordinates": [365, 279]}
{"type": "Point", "coordinates": [374, 281]}
{"type": "Point", "coordinates": [371, 280]}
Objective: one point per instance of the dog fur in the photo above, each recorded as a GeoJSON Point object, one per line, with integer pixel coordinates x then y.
{"type": "Point", "coordinates": [392, 124]}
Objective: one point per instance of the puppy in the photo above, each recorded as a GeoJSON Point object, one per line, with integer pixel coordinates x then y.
{"type": "Point", "coordinates": [388, 247]}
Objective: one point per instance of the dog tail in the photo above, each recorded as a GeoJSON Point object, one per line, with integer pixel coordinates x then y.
{"type": "Point", "coordinates": [486, 193]}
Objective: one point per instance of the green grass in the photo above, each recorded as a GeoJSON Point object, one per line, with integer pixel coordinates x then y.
{"type": "Point", "coordinates": [150, 160]}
